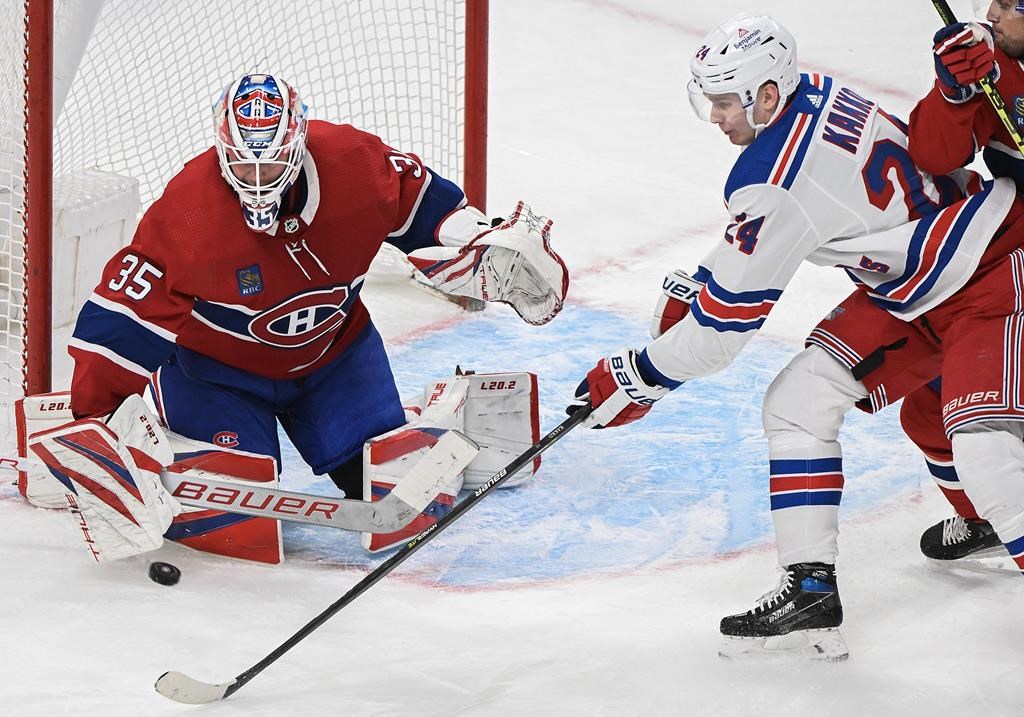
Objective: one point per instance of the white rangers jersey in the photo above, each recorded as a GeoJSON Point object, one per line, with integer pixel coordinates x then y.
{"type": "Point", "coordinates": [830, 182]}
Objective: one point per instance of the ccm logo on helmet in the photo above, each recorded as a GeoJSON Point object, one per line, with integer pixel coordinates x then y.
{"type": "Point", "coordinates": [301, 319]}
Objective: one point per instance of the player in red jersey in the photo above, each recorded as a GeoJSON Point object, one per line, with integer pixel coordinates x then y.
{"type": "Point", "coordinates": [238, 300]}
{"type": "Point", "coordinates": [955, 120]}
{"type": "Point", "coordinates": [948, 127]}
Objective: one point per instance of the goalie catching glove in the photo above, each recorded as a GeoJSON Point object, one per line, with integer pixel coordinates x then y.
{"type": "Point", "coordinates": [512, 263]}
{"type": "Point", "coordinates": [110, 474]}
{"type": "Point", "coordinates": [618, 392]}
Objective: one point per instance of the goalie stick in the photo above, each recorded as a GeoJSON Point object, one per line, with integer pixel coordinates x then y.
{"type": "Point", "coordinates": [180, 687]}
{"type": "Point", "coordinates": [989, 87]}
{"type": "Point", "coordinates": [397, 509]}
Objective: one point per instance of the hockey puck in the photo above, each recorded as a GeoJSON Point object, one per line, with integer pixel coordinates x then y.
{"type": "Point", "coordinates": [164, 573]}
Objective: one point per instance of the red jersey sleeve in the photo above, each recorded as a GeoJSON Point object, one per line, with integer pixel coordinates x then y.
{"type": "Point", "coordinates": [421, 201]}
{"type": "Point", "coordinates": [126, 329]}
{"type": "Point", "coordinates": [945, 136]}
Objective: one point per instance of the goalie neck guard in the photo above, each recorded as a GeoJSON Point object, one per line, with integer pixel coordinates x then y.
{"type": "Point", "coordinates": [260, 136]}
{"type": "Point", "coordinates": [738, 57]}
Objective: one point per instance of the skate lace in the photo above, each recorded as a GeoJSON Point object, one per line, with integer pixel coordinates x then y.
{"type": "Point", "coordinates": [770, 598]}
{"type": "Point", "coordinates": [955, 530]}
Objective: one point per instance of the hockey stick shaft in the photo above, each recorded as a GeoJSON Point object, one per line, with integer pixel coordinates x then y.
{"type": "Point", "coordinates": [986, 83]}
{"type": "Point", "coordinates": [181, 688]}
{"type": "Point", "coordinates": [212, 491]}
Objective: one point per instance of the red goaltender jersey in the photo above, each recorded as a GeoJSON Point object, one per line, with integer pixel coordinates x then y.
{"type": "Point", "coordinates": [279, 304]}
{"type": "Point", "coordinates": [944, 136]}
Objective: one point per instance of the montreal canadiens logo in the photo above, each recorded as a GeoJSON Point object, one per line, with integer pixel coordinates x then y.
{"type": "Point", "coordinates": [258, 109]}
{"type": "Point", "coordinates": [226, 439]}
{"type": "Point", "coordinates": [301, 319]}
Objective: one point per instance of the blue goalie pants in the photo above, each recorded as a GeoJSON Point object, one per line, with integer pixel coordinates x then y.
{"type": "Point", "coordinates": [327, 415]}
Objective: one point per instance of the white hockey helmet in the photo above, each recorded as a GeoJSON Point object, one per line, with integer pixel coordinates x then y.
{"type": "Point", "coordinates": [738, 57]}
{"type": "Point", "coordinates": [981, 7]}
{"type": "Point", "coordinates": [260, 135]}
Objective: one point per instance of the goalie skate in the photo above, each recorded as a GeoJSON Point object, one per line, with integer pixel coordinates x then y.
{"type": "Point", "coordinates": [799, 619]}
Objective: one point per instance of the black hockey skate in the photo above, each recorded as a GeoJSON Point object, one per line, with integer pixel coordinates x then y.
{"type": "Point", "coordinates": [800, 617]}
{"type": "Point", "coordinates": [956, 538]}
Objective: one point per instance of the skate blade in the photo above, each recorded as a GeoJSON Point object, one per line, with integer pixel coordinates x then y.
{"type": "Point", "coordinates": [998, 564]}
{"type": "Point", "coordinates": [996, 551]}
{"type": "Point", "coordinates": [826, 644]}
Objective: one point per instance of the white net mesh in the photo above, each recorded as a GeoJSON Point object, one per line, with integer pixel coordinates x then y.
{"type": "Point", "coordinates": [142, 99]}
{"type": "Point", "coordinates": [140, 102]}
{"type": "Point", "coordinates": [12, 201]}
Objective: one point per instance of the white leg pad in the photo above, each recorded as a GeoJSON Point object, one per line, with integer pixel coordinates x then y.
{"type": "Point", "coordinates": [34, 414]}
{"type": "Point", "coordinates": [502, 416]}
{"type": "Point", "coordinates": [111, 474]}
{"type": "Point", "coordinates": [388, 458]}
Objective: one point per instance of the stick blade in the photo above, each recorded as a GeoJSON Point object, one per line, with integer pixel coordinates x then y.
{"type": "Point", "coordinates": [445, 460]}
{"type": "Point", "coordinates": [181, 688]}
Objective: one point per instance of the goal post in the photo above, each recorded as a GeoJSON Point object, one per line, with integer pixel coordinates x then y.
{"type": "Point", "coordinates": [38, 218]}
{"type": "Point", "coordinates": [102, 106]}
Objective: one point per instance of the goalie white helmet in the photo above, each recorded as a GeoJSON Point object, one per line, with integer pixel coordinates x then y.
{"type": "Point", "coordinates": [738, 57]}
{"type": "Point", "coordinates": [260, 135]}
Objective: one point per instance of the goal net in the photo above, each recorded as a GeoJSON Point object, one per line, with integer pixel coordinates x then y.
{"type": "Point", "coordinates": [133, 88]}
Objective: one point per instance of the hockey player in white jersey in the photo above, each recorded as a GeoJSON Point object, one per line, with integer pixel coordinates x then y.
{"type": "Point", "coordinates": [825, 177]}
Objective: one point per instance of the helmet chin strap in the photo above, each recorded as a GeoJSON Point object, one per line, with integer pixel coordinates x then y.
{"type": "Point", "coordinates": [759, 127]}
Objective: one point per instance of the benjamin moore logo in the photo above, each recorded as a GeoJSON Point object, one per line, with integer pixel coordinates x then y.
{"type": "Point", "coordinates": [250, 281]}
{"type": "Point", "coordinates": [1018, 110]}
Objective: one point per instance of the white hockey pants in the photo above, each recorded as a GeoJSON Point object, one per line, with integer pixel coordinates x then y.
{"type": "Point", "coordinates": [803, 411]}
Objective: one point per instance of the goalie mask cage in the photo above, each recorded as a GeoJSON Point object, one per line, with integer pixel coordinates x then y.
{"type": "Point", "coordinates": [106, 99]}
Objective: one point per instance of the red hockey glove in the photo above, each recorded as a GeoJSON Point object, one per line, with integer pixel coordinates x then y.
{"type": "Point", "coordinates": [964, 54]}
{"type": "Point", "coordinates": [678, 291]}
{"type": "Point", "coordinates": [617, 391]}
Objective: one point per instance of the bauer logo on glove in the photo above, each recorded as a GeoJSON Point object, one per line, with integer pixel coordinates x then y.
{"type": "Point", "coordinates": [678, 291]}
{"type": "Point", "coordinates": [618, 391]}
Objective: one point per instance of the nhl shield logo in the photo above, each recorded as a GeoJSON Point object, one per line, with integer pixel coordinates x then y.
{"type": "Point", "coordinates": [291, 225]}
{"type": "Point", "coordinates": [250, 281]}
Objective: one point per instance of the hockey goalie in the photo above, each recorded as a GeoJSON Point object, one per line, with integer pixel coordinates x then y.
{"type": "Point", "coordinates": [238, 301]}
